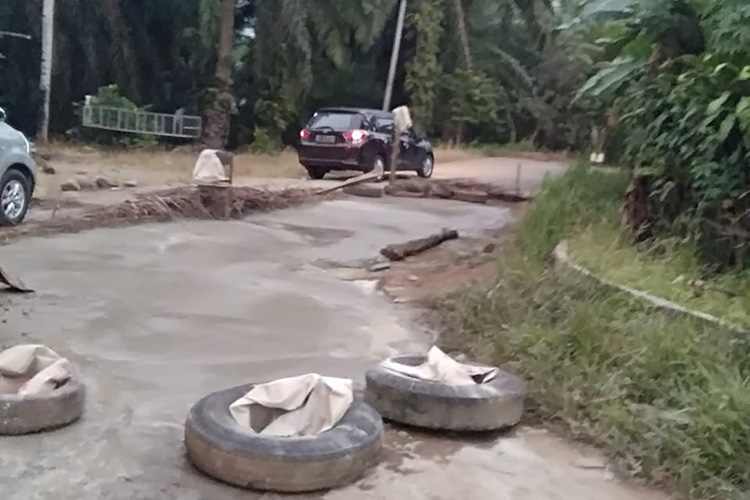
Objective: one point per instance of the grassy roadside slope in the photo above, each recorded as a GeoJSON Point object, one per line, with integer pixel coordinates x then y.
{"type": "Point", "coordinates": [668, 398]}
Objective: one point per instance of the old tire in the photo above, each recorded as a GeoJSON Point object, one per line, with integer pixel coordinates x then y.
{"type": "Point", "coordinates": [219, 447]}
{"type": "Point", "coordinates": [41, 412]}
{"type": "Point", "coordinates": [482, 407]}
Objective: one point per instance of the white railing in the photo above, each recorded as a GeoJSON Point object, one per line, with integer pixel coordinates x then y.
{"type": "Point", "coordinates": [142, 122]}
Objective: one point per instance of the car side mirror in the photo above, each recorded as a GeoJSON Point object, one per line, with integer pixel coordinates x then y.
{"type": "Point", "coordinates": [2, 115]}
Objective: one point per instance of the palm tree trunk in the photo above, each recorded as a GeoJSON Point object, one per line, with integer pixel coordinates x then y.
{"type": "Point", "coordinates": [48, 28]}
{"type": "Point", "coordinates": [216, 130]}
{"type": "Point", "coordinates": [463, 35]}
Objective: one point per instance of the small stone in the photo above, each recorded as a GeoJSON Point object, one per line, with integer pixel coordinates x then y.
{"type": "Point", "coordinates": [380, 267]}
{"type": "Point", "coordinates": [104, 183]}
{"type": "Point", "coordinates": [49, 169]}
{"type": "Point", "coordinates": [70, 185]}
{"type": "Point", "coordinates": [413, 278]}
{"type": "Point", "coordinates": [489, 248]}
{"type": "Point", "coordinates": [86, 183]}
{"type": "Point", "coordinates": [130, 184]}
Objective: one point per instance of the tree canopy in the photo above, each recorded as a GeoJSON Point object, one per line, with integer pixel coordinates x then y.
{"type": "Point", "coordinates": [473, 70]}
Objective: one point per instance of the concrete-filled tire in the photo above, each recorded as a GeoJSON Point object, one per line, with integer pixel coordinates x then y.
{"type": "Point", "coordinates": [220, 448]}
{"type": "Point", "coordinates": [401, 399]}
{"type": "Point", "coordinates": [29, 414]}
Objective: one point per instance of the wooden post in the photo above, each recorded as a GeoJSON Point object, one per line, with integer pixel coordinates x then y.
{"type": "Point", "coordinates": [518, 179]}
{"type": "Point", "coordinates": [394, 155]}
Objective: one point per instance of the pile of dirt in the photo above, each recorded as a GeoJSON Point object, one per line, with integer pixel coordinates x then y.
{"type": "Point", "coordinates": [205, 202]}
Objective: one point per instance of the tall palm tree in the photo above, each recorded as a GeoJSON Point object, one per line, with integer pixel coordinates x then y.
{"type": "Point", "coordinates": [216, 130]}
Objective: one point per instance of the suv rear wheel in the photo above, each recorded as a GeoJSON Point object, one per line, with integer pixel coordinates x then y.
{"type": "Point", "coordinates": [15, 196]}
{"type": "Point", "coordinates": [378, 165]}
{"type": "Point", "coordinates": [316, 172]}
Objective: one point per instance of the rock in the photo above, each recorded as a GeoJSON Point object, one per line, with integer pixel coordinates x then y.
{"type": "Point", "coordinates": [413, 278]}
{"type": "Point", "coordinates": [70, 185]}
{"type": "Point", "coordinates": [441, 191]}
{"type": "Point", "coordinates": [130, 184]}
{"type": "Point", "coordinates": [43, 165]}
{"type": "Point", "coordinates": [470, 196]}
{"type": "Point", "coordinates": [489, 248]}
{"type": "Point", "coordinates": [366, 190]}
{"type": "Point", "coordinates": [86, 183]}
{"type": "Point", "coordinates": [104, 183]}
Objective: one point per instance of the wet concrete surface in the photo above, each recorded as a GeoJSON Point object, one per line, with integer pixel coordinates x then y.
{"type": "Point", "coordinates": [156, 316]}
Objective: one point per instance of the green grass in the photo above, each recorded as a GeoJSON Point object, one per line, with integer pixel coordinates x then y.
{"type": "Point", "coordinates": [667, 269]}
{"type": "Point", "coordinates": [667, 397]}
{"type": "Point", "coordinates": [573, 201]}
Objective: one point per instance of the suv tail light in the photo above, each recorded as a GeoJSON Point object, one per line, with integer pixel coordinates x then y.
{"type": "Point", "coordinates": [304, 134]}
{"type": "Point", "coordinates": [355, 136]}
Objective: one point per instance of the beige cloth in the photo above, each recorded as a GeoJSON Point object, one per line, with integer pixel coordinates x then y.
{"type": "Point", "coordinates": [402, 118]}
{"type": "Point", "coordinates": [32, 369]}
{"type": "Point", "coordinates": [440, 367]}
{"type": "Point", "coordinates": [299, 406]}
{"type": "Point", "coordinates": [209, 168]}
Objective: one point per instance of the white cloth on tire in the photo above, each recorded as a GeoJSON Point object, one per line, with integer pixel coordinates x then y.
{"type": "Point", "coordinates": [402, 119]}
{"type": "Point", "coordinates": [439, 367]}
{"type": "Point", "coordinates": [299, 406]}
{"type": "Point", "coordinates": [209, 168]}
{"type": "Point", "coordinates": [32, 369]}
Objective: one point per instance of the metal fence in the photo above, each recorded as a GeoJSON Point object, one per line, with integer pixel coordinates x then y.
{"type": "Point", "coordinates": [142, 122]}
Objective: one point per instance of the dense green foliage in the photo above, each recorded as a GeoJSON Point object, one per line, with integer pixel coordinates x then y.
{"type": "Point", "coordinates": [507, 79]}
{"type": "Point", "coordinates": [679, 81]}
{"type": "Point", "coordinates": [667, 397]}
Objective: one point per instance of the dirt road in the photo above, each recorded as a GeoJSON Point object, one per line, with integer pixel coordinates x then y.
{"type": "Point", "coordinates": [156, 316]}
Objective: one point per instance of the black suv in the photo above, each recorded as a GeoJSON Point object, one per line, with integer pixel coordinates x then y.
{"type": "Point", "coordinates": [359, 139]}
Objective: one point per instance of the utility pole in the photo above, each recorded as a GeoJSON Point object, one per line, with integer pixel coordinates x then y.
{"type": "Point", "coordinates": [394, 55]}
{"type": "Point", "coordinates": [45, 82]}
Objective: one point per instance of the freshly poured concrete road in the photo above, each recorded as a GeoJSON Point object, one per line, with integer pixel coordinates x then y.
{"type": "Point", "coordinates": [157, 316]}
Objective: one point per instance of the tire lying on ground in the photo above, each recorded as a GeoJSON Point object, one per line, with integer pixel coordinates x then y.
{"type": "Point", "coordinates": [494, 405]}
{"type": "Point", "coordinates": [219, 447]}
{"type": "Point", "coordinates": [28, 414]}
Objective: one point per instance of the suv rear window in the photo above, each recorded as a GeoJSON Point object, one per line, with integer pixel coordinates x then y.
{"type": "Point", "coordinates": [336, 120]}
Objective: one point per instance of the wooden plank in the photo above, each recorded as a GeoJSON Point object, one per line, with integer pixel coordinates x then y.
{"type": "Point", "coordinates": [371, 176]}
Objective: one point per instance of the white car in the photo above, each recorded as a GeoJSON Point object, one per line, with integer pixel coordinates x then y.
{"type": "Point", "coordinates": [17, 174]}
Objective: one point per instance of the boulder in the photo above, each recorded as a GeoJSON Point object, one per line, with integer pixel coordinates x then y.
{"type": "Point", "coordinates": [104, 183]}
{"type": "Point", "coordinates": [70, 185]}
